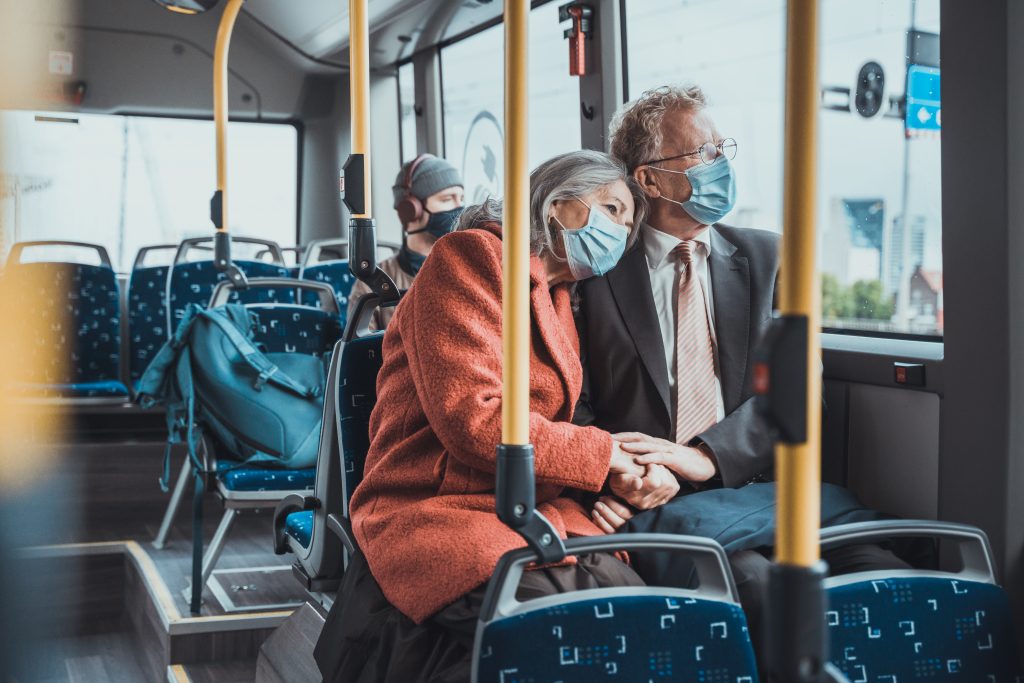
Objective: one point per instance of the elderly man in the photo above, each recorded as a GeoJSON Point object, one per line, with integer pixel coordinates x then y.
{"type": "Point", "coordinates": [428, 199]}
{"type": "Point", "coordinates": [667, 340]}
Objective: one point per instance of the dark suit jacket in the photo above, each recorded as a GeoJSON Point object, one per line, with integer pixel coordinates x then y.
{"type": "Point", "coordinates": [625, 386]}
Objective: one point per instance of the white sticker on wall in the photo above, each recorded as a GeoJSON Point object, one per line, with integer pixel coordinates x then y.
{"type": "Point", "coordinates": [61, 63]}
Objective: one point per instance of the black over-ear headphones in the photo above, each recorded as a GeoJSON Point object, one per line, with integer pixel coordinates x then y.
{"type": "Point", "coordinates": [410, 208]}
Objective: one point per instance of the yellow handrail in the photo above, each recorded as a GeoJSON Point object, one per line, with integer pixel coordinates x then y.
{"type": "Point", "coordinates": [359, 76]}
{"type": "Point", "coordinates": [798, 466]}
{"type": "Point", "coordinates": [220, 102]}
{"type": "Point", "coordinates": [515, 413]}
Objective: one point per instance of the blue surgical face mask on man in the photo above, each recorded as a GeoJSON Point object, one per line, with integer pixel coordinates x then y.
{"type": "Point", "coordinates": [714, 190]}
{"type": "Point", "coordinates": [595, 248]}
{"type": "Point", "coordinates": [440, 223]}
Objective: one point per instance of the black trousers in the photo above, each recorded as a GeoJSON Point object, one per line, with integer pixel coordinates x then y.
{"type": "Point", "coordinates": [750, 569]}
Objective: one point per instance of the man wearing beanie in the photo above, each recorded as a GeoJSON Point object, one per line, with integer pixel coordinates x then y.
{"type": "Point", "coordinates": [428, 198]}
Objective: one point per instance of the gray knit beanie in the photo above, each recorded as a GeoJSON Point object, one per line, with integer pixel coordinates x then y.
{"type": "Point", "coordinates": [432, 175]}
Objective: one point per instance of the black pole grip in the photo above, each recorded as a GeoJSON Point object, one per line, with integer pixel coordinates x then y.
{"type": "Point", "coordinates": [516, 503]}
{"type": "Point", "coordinates": [797, 637]}
{"type": "Point", "coordinates": [516, 493]}
{"type": "Point", "coordinates": [362, 247]}
{"type": "Point", "coordinates": [223, 263]}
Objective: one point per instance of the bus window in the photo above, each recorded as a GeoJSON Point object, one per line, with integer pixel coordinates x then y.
{"type": "Point", "coordinates": [879, 170]}
{"type": "Point", "coordinates": [473, 81]}
{"type": "Point", "coordinates": [407, 110]}
{"type": "Point", "coordinates": [130, 181]}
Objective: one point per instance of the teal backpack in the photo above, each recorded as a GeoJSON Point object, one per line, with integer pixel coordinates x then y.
{"type": "Point", "coordinates": [262, 408]}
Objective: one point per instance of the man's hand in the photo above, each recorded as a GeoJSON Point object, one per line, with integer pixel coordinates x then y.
{"type": "Point", "coordinates": [690, 464]}
{"type": "Point", "coordinates": [609, 513]}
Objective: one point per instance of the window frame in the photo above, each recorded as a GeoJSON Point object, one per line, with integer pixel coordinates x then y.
{"type": "Point", "coordinates": [408, 61]}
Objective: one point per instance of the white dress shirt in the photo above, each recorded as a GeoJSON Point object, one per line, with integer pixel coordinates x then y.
{"type": "Point", "coordinates": [665, 272]}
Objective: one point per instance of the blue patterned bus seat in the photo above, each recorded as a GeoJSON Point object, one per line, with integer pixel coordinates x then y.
{"type": "Point", "coordinates": [620, 638]}
{"type": "Point", "coordinates": [333, 273]}
{"type": "Point", "coordinates": [914, 628]}
{"type": "Point", "coordinates": [360, 364]}
{"type": "Point", "coordinates": [76, 352]}
{"type": "Point", "coordinates": [147, 317]}
{"type": "Point", "coordinates": [296, 329]}
{"type": "Point", "coordinates": [299, 525]}
{"type": "Point", "coordinates": [194, 282]}
{"type": "Point", "coordinates": [262, 479]}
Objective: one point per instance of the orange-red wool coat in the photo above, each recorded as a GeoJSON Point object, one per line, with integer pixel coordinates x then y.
{"type": "Point", "coordinates": [424, 512]}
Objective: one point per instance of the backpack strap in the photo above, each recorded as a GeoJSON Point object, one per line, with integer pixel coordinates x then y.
{"type": "Point", "coordinates": [268, 372]}
{"type": "Point", "coordinates": [155, 385]}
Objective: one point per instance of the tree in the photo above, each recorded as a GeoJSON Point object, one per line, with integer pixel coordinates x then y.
{"type": "Point", "coordinates": [836, 300]}
{"type": "Point", "coordinates": [864, 300]}
{"type": "Point", "coordinates": [870, 301]}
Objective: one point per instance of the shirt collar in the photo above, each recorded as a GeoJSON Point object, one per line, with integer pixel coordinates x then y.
{"type": "Point", "coordinates": [658, 245]}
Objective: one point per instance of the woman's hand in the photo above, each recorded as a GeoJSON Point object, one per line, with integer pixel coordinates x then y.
{"type": "Point", "coordinates": [624, 475]}
{"type": "Point", "coordinates": [691, 464]}
{"type": "Point", "coordinates": [610, 514]}
{"type": "Point", "coordinates": [643, 487]}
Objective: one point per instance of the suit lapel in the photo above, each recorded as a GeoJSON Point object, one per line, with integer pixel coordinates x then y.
{"type": "Point", "coordinates": [730, 291]}
{"type": "Point", "coordinates": [630, 283]}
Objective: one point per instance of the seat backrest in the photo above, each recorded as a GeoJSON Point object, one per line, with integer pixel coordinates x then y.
{"type": "Point", "coordinates": [913, 627]}
{"type": "Point", "coordinates": [620, 634]}
{"type": "Point", "coordinates": [80, 341]}
{"type": "Point", "coordinates": [289, 328]}
{"type": "Point", "coordinates": [361, 361]}
{"type": "Point", "coordinates": [915, 624]}
{"type": "Point", "coordinates": [194, 282]}
{"type": "Point", "coordinates": [334, 273]}
{"type": "Point", "coordinates": [147, 316]}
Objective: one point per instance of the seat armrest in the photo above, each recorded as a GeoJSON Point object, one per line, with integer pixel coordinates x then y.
{"type": "Point", "coordinates": [293, 502]}
{"type": "Point", "coordinates": [342, 528]}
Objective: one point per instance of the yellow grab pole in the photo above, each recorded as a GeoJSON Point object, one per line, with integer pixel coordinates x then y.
{"type": "Point", "coordinates": [798, 467]}
{"type": "Point", "coordinates": [515, 414]}
{"type": "Point", "coordinates": [359, 74]}
{"type": "Point", "coordinates": [515, 493]}
{"type": "Point", "coordinates": [220, 103]}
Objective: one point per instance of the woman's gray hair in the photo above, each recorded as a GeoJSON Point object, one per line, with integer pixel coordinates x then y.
{"type": "Point", "coordinates": [566, 176]}
{"type": "Point", "coordinates": [636, 128]}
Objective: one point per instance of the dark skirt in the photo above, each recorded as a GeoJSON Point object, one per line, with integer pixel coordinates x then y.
{"type": "Point", "coordinates": [366, 640]}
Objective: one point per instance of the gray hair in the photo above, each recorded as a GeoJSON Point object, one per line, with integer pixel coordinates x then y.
{"type": "Point", "coordinates": [636, 127]}
{"type": "Point", "coordinates": [566, 176]}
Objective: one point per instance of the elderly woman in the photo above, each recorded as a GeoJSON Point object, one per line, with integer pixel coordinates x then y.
{"type": "Point", "coordinates": [424, 513]}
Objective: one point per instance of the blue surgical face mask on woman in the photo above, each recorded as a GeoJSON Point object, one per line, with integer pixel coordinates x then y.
{"type": "Point", "coordinates": [595, 248]}
{"type": "Point", "coordinates": [714, 190]}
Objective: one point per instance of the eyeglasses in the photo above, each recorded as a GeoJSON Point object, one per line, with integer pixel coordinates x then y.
{"type": "Point", "coordinates": [708, 152]}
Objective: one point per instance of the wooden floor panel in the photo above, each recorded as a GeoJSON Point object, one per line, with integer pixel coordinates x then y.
{"type": "Point", "coordinates": [109, 493]}
{"type": "Point", "coordinates": [221, 672]}
{"type": "Point", "coordinates": [108, 657]}
{"type": "Point", "coordinates": [249, 545]}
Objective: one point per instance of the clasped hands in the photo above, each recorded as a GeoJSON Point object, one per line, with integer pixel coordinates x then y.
{"type": "Point", "coordinates": [644, 473]}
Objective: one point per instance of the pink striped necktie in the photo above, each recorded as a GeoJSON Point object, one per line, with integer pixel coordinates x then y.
{"type": "Point", "coordinates": [696, 396]}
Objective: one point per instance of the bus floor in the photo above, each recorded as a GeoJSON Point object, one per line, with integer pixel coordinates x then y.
{"type": "Point", "coordinates": [109, 602]}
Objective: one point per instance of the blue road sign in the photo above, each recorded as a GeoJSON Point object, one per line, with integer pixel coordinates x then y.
{"type": "Point", "coordinates": [924, 105]}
